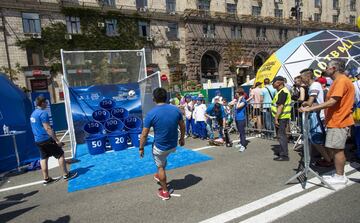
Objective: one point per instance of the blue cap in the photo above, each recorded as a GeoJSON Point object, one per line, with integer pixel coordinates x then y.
{"type": "Point", "coordinates": [187, 96]}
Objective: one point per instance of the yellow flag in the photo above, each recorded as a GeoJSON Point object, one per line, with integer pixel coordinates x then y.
{"type": "Point", "coordinates": [269, 69]}
{"type": "Point", "coordinates": [358, 22]}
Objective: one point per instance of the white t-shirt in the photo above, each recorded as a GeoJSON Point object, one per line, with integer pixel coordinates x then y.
{"type": "Point", "coordinates": [199, 113]}
{"type": "Point", "coordinates": [188, 107]}
{"type": "Point", "coordinates": [316, 91]}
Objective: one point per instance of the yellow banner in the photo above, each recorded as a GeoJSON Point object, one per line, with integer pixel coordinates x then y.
{"type": "Point", "coordinates": [268, 70]}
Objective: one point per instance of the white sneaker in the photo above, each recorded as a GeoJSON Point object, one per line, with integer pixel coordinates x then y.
{"type": "Point", "coordinates": [242, 148]}
{"type": "Point", "coordinates": [238, 145]}
{"type": "Point", "coordinates": [336, 179]}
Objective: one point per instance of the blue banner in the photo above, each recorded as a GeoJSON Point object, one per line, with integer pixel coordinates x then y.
{"type": "Point", "coordinates": [99, 103]}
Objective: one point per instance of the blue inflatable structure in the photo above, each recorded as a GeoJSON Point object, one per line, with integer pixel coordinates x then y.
{"type": "Point", "coordinates": [15, 111]}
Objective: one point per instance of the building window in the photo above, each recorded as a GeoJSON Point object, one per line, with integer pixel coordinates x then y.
{"type": "Point", "coordinates": [31, 23]}
{"type": "Point", "coordinates": [209, 29]}
{"type": "Point", "coordinates": [352, 20]}
{"type": "Point", "coordinates": [335, 19]}
{"type": "Point", "coordinates": [144, 29]}
{"type": "Point", "coordinates": [236, 32]}
{"type": "Point", "coordinates": [283, 34]}
{"type": "Point", "coordinates": [278, 13]}
{"type": "Point", "coordinates": [256, 11]}
{"type": "Point", "coordinates": [231, 8]}
{"type": "Point", "coordinates": [335, 4]}
{"type": "Point", "coordinates": [108, 2]}
{"type": "Point", "coordinates": [172, 31]}
{"type": "Point", "coordinates": [261, 32]}
{"type": "Point", "coordinates": [317, 3]}
{"type": "Point", "coordinates": [170, 5]}
{"type": "Point", "coordinates": [34, 57]}
{"type": "Point", "coordinates": [204, 5]}
{"type": "Point", "coordinates": [73, 24]}
{"type": "Point", "coordinates": [111, 27]}
{"type": "Point", "coordinates": [141, 4]}
{"type": "Point", "coordinates": [353, 5]}
{"type": "Point", "coordinates": [317, 17]}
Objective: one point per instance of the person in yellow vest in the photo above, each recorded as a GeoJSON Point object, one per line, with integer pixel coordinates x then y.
{"type": "Point", "coordinates": [281, 111]}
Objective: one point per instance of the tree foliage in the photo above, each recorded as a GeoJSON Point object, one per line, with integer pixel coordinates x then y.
{"type": "Point", "coordinates": [92, 37]}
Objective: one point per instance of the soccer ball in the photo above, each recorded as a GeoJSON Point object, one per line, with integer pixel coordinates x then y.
{"type": "Point", "coordinates": [131, 93]}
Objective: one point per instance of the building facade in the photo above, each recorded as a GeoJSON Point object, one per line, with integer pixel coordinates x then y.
{"type": "Point", "coordinates": [193, 41]}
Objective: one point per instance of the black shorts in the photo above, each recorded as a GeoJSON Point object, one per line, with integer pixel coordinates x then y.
{"type": "Point", "coordinates": [49, 148]}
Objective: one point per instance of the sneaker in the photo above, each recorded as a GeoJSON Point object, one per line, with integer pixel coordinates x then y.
{"type": "Point", "coordinates": [165, 195]}
{"type": "Point", "coordinates": [70, 175]}
{"type": "Point", "coordinates": [336, 179]}
{"type": "Point", "coordinates": [156, 177]}
{"type": "Point", "coordinates": [49, 181]}
{"type": "Point", "coordinates": [282, 158]}
{"type": "Point", "coordinates": [242, 148]}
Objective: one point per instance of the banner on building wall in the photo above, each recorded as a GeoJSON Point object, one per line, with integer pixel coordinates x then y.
{"type": "Point", "coordinates": [46, 95]}
{"type": "Point", "coordinates": [96, 104]}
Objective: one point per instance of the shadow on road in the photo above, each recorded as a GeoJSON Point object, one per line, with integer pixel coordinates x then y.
{"type": "Point", "coordinates": [188, 181]}
{"type": "Point", "coordinates": [15, 199]}
{"type": "Point", "coordinates": [64, 219]}
{"type": "Point", "coordinates": [13, 214]}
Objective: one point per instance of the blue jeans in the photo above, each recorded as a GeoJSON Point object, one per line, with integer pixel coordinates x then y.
{"type": "Point", "coordinates": [210, 129]}
{"type": "Point", "coordinates": [240, 125]}
{"type": "Point", "coordinates": [268, 119]}
{"type": "Point", "coordinates": [189, 125]}
{"type": "Point", "coordinates": [357, 140]}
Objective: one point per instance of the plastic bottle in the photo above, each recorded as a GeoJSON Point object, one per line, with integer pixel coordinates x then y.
{"type": "Point", "coordinates": [5, 129]}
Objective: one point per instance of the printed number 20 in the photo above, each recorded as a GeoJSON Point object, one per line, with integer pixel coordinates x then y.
{"type": "Point", "coordinates": [119, 140]}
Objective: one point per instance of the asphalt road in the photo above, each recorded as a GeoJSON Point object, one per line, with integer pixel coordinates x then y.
{"type": "Point", "coordinates": [229, 182]}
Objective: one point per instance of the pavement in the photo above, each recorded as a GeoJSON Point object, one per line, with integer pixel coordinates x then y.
{"type": "Point", "coordinates": [233, 187]}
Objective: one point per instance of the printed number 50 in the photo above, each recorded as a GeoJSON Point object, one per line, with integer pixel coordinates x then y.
{"type": "Point", "coordinates": [96, 144]}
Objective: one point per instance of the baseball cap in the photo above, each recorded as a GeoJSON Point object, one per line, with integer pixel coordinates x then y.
{"type": "Point", "coordinates": [278, 78]}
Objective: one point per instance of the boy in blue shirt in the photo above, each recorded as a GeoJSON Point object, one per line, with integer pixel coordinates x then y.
{"type": "Point", "coordinates": [164, 119]}
{"type": "Point", "coordinates": [215, 112]}
{"type": "Point", "coordinates": [47, 141]}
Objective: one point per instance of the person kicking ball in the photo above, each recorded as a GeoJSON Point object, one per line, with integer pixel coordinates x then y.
{"type": "Point", "coordinates": [164, 119]}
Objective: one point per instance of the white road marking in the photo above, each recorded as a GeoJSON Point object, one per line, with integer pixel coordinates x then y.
{"type": "Point", "coordinates": [209, 147]}
{"type": "Point", "coordinates": [26, 185]}
{"type": "Point", "coordinates": [298, 202]}
{"type": "Point", "coordinates": [270, 199]}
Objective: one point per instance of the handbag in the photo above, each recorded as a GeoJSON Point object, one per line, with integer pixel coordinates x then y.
{"type": "Point", "coordinates": [356, 113]}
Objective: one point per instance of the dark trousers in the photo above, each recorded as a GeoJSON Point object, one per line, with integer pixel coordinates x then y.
{"type": "Point", "coordinates": [281, 133]}
{"type": "Point", "coordinates": [240, 125]}
{"type": "Point", "coordinates": [189, 125]}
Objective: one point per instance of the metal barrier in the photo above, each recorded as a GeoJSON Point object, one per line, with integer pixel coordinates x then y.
{"type": "Point", "coordinates": [260, 122]}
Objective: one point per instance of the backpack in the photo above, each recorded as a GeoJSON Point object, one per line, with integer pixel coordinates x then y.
{"type": "Point", "coordinates": [295, 94]}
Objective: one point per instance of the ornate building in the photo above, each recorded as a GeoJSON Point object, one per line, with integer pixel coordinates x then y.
{"type": "Point", "coordinates": [191, 41]}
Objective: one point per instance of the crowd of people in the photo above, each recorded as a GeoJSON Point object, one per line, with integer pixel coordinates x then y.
{"type": "Point", "coordinates": [330, 100]}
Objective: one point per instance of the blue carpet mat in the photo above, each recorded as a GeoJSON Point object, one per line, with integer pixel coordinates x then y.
{"type": "Point", "coordinates": [117, 166]}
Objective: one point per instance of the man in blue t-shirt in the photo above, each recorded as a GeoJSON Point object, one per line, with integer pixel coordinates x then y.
{"type": "Point", "coordinates": [215, 112]}
{"type": "Point", "coordinates": [267, 95]}
{"type": "Point", "coordinates": [47, 141]}
{"type": "Point", "coordinates": [164, 119]}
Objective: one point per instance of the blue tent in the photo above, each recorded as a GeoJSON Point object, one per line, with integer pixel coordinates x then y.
{"type": "Point", "coordinates": [15, 111]}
